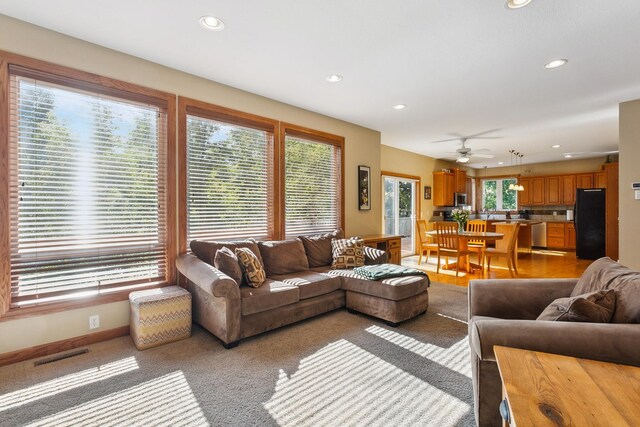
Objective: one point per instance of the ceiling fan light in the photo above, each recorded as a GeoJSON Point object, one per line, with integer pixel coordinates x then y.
{"type": "Point", "coordinates": [462, 159]}
{"type": "Point", "coordinates": [515, 4]}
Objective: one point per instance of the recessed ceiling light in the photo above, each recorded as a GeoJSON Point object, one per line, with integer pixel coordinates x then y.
{"type": "Point", "coordinates": [555, 63]}
{"type": "Point", "coordinates": [333, 78]}
{"type": "Point", "coordinates": [515, 4]}
{"type": "Point", "coordinates": [399, 107]}
{"type": "Point", "coordinates": [211, 23]}
{"type": "Point", "coordinates": [568, 156]}
{"type": "Point", "coordinates": [555, 146]}
{"type": "Point", "coordinates": [501, 163]}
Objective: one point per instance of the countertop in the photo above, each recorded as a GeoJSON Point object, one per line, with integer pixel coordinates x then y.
{"type": "Point", "coordinates": [522, 222]}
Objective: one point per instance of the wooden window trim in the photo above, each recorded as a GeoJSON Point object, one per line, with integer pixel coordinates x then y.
{"type": "Point", "coordinates": [311, 135]}
{"type": "Point", "coordinates": [215, 112]}
{"type": "Point", "coordinates": [82, 80]}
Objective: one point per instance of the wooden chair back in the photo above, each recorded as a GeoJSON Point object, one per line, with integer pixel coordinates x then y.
{"type": "Point", "coordinates": [508, 242]}
{"type": "Point", "coordinates": [477, 226]}
{"type": "Point", "coordinates": [448, 238]}
{"type": "Point", "coordinates": [423, 237]}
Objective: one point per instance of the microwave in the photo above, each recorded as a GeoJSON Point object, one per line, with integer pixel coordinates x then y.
{"type": "Point", "coordinates": [460, 199]}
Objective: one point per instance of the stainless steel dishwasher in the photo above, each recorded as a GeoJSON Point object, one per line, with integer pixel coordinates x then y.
{"type": "Point", "coordinates": [539, 235]}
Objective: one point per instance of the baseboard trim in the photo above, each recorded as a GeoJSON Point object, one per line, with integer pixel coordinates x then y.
{"type": "Point", "coordinates": [63, 345]}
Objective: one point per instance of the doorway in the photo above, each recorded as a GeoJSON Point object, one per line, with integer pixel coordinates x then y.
{"type": "Point", "coordinates": [400, 210]}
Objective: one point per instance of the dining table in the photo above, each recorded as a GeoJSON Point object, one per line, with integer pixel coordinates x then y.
{"type": "Point", "coordinates": [469, 266]}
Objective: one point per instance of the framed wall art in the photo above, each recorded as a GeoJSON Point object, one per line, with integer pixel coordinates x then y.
{"type": "Point", "coordinates": [364, 188]}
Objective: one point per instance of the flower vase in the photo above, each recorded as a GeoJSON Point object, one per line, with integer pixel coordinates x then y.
{"type": "Point", "coordinates": [460, 227]}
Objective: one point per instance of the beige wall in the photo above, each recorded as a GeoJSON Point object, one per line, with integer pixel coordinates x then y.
{"type": "Point", "coordinates": [362, 147]}
{"type": "Point", "coordinates": [405, 162]}
{"type": "Point", "coordinates": [551, 168]}
{"type": "Point", "coordinates": [629, 172]}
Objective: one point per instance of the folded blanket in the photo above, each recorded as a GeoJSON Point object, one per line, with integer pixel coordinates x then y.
{"type": "Point", "coordinates": [385, 271]}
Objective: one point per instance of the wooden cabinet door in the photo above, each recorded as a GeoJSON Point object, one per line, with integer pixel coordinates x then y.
{"type": "Point", "coordinates": [553, 190]}
{"type": "Point", "coordinates": [555, 235]}
{"type": "Point", "coordinates": [600, 179]}
{"type": "Point", "coordinates": [570, 236]}
{"type": "Point", "coordinates": [524, 198]}
{"type": "Point", "coordinates": [460, 181]}
{"type": "Point", "coordinates": [568, 189]}
{"type": "Point", "coordinates": [443, 186]}
{"type": "Point", "coordinates": [584, 180]}
{"type": "Point", "coordinates": [536, 196]}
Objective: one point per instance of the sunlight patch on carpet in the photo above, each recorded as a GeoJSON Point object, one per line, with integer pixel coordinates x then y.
{"type": "Point", "coordinates": [343, 384]}
{"type": "Point", "coordinates": [455, 357]}
{"type": "Point", "coordinates": [65, 383]}
{"type": "Point", "coordinates": [166, 400]}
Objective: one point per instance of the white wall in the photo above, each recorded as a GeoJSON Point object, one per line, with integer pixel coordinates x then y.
{"type": "Point", "coordinates": [629, 172]}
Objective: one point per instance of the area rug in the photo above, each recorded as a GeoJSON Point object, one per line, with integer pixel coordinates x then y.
{"type": "Point", "coordinates": [338, 369]}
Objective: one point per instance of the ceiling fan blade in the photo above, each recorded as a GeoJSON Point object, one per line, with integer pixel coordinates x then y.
{"type": "Point", "coordinates": [483, 156]}
{"type": "Point", "coordinates": [485, 137]}
{"type": "Point", "coordinates": [476, 135]}
{"type": "Point", "coordinates": [481, 150]}
{"type": "Point", "coordinates": [445, 140]}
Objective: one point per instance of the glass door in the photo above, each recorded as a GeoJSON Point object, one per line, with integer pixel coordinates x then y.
{"type": "Point", "coordinates": [399, 214]}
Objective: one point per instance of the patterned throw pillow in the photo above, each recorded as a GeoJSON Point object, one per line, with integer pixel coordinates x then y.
{"type": "Point", "coordinates": [252, 270]}
{"type": "Point", "coordinates": [347, 253]}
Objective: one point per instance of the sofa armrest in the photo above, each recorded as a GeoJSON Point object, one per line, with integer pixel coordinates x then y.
{"type": "Point", "coordinates": [373, 256]}
{"type": "Point", "coordinates": [206, 277]}
{"type": "Point", "coordinates": [607, 342]}
{"type": "Point", "coordinates": [515, 298]}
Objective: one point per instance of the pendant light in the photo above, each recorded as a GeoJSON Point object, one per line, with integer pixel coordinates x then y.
{"type": "Point", "coordinates": [512, 186]}
{"type": "Point", "coordinates": [520, 187]}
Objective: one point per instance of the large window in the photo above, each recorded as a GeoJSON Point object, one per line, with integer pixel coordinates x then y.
{"type": "Point", "coordinates": [87, 188]}
{"type": "Point", "coordinates": [313, 184]}
{"type": "Point", "coordinates": [496, 195]}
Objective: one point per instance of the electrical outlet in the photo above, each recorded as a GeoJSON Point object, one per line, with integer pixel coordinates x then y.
{"type": "Point", "coordinates": [94, 321]}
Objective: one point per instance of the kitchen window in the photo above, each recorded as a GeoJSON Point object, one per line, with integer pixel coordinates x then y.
{"type": "Point", "coordinates": [496, 195]}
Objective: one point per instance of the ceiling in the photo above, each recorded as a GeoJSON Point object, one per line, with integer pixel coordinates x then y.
{"type": "Point", "coordinates": [460, 66]}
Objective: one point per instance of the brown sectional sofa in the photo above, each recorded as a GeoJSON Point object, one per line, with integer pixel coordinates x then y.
{"type": "Point", "coordinates": [300, 284]}
{"type": "Point", "coordinates": [504, 312]}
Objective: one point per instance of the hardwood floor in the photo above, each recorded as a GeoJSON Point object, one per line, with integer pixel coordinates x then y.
{"type": "Point", "coordinates": [538, 264]}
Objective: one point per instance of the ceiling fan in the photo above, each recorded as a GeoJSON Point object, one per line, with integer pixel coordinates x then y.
{"type": "Point", "coordinates": [464, 153]}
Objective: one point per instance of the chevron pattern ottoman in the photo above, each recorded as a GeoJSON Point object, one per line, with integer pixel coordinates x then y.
{"type": "Point", "coordinates": [159, 316]}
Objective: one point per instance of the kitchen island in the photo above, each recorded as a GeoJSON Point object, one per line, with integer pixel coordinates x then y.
{"type": "Point", "coordinates": [524, 235]}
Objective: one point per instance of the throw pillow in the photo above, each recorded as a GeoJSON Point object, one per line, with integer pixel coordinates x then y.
{"type": "Point", "coordinates": [252, 270]}
{"type": "Point", "coordinates": [347, 253]}
{"type": "Point", "coordinates": [594, 307]}
{"type": "Point", "coordinates": [227, 262]}
{"type": "Point", "coordinates": [318, 248]}
{"type": "Point", "coordinates": [283, 256]}
{"type": "Point", "coordinates": [206, 251]}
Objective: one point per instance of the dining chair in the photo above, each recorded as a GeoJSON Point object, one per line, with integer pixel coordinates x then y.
{"type": "Point", "coordinates": [504, 247]}
{"type": "Point", "coordinates": [450, 243]}
{"type": "Point", "coordinates": [478, 226]}
{"type": "Point", "coordinates": [426, 242]}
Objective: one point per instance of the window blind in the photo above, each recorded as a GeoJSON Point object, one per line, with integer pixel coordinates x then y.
{"type": "Point", "coordinates": [229, 181]}
{"type": "Point", "coordinates": [87, 198]}
{"type": "Point", "coordinates": [313, 183]}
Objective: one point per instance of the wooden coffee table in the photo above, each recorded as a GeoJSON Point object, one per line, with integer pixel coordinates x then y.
{"type": "Point", "coordinates": [543, 389]}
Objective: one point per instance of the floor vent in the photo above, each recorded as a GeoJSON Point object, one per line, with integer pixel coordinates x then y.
{"type": "Point", "coordinates": [60, 357]}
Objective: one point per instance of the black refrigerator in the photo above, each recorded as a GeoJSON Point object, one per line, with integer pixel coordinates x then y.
{"type": "Point", "coordinates": [590, 225]}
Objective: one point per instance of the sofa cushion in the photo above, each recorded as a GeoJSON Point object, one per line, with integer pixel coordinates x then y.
{"type": "Point", "coordinates": [311, 284]}
{"type": "Point", "coordinates": [272, 294]}
{"type": "Point", "coordinates": [252, 270]}
{"type": "Point", "coordinates": [206, 251]}
{"type": "Point", "coordinates": [395, 289]}
{"type": "Point", "coordinates": [595, 307]}
{"type": "Point", "coordinates": [283, 256]}
{"type": "Point", "coordinates": [227, 262]}
{"type": "Point", "coordinates": [318, 248]}
{"type": "Point", "coordinates": [604, 274]}
{"type": "Point", "coordinates": [347, 253]}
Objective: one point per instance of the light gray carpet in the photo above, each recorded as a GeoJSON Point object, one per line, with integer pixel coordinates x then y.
{"type": "Point", "coordinates": [335, 369]}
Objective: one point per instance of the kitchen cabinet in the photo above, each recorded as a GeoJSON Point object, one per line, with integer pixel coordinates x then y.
{"type": "Point", "coordinates": [389, 243]}
{"type": "Point", "coordinates": [460, 178]}
{"type": "Point", "coordinates": [556, 235]}
{"type": "Point", "coordinates": [524, 195]}
{"type": "Point", "coordinates": [536, 196]}
{"type": "Point", "coordinates": [584, 180]}
{"type": "Point", "coordinates": [568, 189]}
{"type": "Point", "coordinates": [570, 236]}
{"type": "Point", "coordinates": [600, 179]}
{"type": "Point", "coordinates": [553, 190]}
{"type": "Point", "coordinates": [443, 188]}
